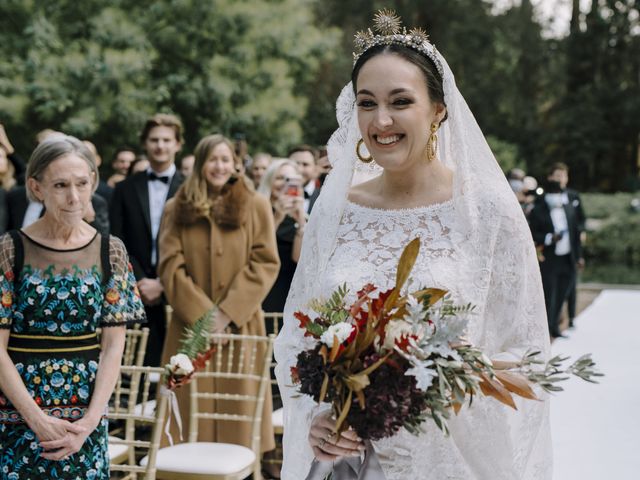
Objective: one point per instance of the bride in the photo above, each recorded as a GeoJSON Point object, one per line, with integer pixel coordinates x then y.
{"type": "Point", "coordinates": [431, 175]}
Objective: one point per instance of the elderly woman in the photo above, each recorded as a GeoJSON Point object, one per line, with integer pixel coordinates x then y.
{"type": "Point", "coordinates": [217, 247]}
{"type": "Point", "coordinates": [282, 185]}
{"type": "Point", "coordinates": [60, 281]}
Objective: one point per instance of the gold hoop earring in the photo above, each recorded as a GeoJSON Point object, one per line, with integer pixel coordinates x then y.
{"type": "Point", "coordinates": [368, 159]}
{"type": "Point", "coordinates": [432, 143]}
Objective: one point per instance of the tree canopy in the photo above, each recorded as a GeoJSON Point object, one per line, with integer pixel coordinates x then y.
{"type": "Point", "coordinates": [270, 70]}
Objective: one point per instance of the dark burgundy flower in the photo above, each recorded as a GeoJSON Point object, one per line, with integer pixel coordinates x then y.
{"type": "Point", "coordinates": [392, 400]}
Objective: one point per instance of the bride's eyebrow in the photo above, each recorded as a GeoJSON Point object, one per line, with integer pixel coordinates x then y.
{"type": "Point", "coordinates": [395, 91]}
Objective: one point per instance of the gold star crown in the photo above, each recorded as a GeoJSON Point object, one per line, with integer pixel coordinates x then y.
{"type": "Point", "coordinates": [389, 30]}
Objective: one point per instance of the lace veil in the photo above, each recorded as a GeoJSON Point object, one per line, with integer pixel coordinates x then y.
{"type": "Point", "coordinates": [496, 251]}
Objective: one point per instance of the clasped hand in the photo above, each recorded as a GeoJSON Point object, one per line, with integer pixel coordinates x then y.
{"type": "Point", "coordinates": [60, 438]}
{"type": "Point", "coordinates": [326, 445]}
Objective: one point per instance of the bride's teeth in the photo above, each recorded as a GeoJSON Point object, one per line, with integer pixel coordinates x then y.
{"type": "Point", "coordinates": [388, 140]}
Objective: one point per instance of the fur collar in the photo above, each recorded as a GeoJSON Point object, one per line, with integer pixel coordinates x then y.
{"type": "Point", "coordinates": [227, 210]}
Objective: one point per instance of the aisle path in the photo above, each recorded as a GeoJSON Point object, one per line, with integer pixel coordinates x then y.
{"type": "Point", "coordinates": [596, 428]}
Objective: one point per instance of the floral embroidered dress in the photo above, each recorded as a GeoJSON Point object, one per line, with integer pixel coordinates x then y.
{"type": "Point", "coordinates": [53, 301]}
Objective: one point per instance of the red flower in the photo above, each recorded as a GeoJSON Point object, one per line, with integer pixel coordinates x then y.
{"type": "Point", "coordinates": [9, 275]}
{"type": "Point", "coordinates": [295, 378]}
{"type": "Point", "coordinates": [403, 342]}
{"type": "Point", "coordinates": [39, 400]}
{"type": "Point", "coordinates": [74, 399]}
{"type": "Point", "coordinates": [304, 321]}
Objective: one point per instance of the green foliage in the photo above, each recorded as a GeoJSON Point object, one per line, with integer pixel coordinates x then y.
{"type": "Point", "coordinates": [612, 249]}
{"type": "Point", "coordinates": [333, 310]}
{"type": "Point", "coordinates": [506, 153]}
{"type": "Point", "coordinates": [272, 69]}
{"type": "Point", "coordinates": [196, 338]}
{"type": "Point", "coordinates": [98, 69]}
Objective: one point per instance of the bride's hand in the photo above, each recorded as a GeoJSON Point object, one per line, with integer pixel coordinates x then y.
{"type": "Point", "coordinates": [326, 446]}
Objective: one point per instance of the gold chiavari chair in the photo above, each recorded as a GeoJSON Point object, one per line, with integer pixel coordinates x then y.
{"type": "Point", "coordinates": [137, 421]}
{"type": "Point", "coordinates": [134, 349]}
{"type": "Point", "coordinates": [244, 358]}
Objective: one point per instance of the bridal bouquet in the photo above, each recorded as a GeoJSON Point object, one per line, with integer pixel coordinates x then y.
{"type": "Point", "coordinates": [393, 360]}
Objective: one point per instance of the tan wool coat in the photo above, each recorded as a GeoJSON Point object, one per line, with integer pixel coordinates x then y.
{"type": "Point", "coordinates": [202, 264]}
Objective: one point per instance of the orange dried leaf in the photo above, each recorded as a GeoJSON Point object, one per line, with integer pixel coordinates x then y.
{"type": "Point", "coordinates": [344, 412]}
{"type": "Point", "coordinates": [434, 294]}
{"type": "Point", "coordinates": [324, 388]}
{"type": "Point", "coordinates": [407, 261]}
{"type": "Point", "coordinates": [495, 389]}
{"type": "Point", "coordinates": [357, 382]}
{"type": "Point", "coordinates": [334, 349]}
{"type": "Point", "coordinates": [456, 407]}
{"type": "Point", "coordinates": [517, 384]}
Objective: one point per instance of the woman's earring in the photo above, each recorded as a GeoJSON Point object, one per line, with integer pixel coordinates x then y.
{"type": "Point", "coordinates": [432, 143]}
{"type": "Point", "coordinates": [368, 159]}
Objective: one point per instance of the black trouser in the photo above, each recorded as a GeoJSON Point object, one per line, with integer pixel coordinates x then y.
{"type": "Point", "coordinates": [571, 300]}
{"type": "Point", "coordinates": [558, 277]}
{"type": "Point", "coordinates": [156, 322]}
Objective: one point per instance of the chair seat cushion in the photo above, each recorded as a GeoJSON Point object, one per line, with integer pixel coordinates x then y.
{"type": "Point", "coordinates": [277, 418]}
{"type": "Point", "coordinates": [117, 452]}
{"type": "Point", "coordinates": [203, 458]}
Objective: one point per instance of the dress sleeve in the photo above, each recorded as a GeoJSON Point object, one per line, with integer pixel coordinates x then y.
{"type": "Point", "coordinates": [122, 304]}
{"type": "Point", "coordinates": [7, 256]}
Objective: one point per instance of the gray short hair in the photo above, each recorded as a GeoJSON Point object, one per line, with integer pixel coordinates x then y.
{"type": "Point", "coordinates": [265, 184]}
{"type": "Point", "coordinates": [52, 148]}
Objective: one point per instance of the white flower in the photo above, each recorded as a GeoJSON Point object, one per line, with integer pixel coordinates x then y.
{"type": "Point", "coordinates": [424, 375]}
{"type": "Point", "coordinates": [341, 330]}
{"type": "Point", "coordinates": [394, 331]}
{"type": "Point", "coordinates": [181, 364]}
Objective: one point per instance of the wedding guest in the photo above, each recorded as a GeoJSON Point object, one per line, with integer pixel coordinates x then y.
{"type": "Point", "coordinates": [186, 165]}
{"type": "Point", "coordinates": [136, 210]}
{"type": "Point", "coordinates": [555, 229]}
{"type": "Point", "coordinates": [61, 281]}
{"type": "Point", "coordinates": [559, 172]}
{"type": "Point", "coordinates": [15, 162]}
{"type": "Point", "coordinates": [282, 185]}
{"type": "Point", "coordinates": [306, 157]}
{"type": "Point", "coordinates": [120, 164]}
{"type": "Point", "coordinates": [258, 167]}
{"type": "Point", "coordinates": [434, 178]}
{"type": "Point", "coordinates": [217, 223]}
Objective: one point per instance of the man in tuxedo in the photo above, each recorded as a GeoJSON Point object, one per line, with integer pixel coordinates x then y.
{"type": "Point", "coordinates": [306, 158]}
{"type": "Point", "coordinates": [21, 212]}
{"type": "Point", "coordinates": [136, 212]}
{"type": "Point", "coordinates": [555, 228]}
{"type": "Point", "coordinates": [559, 172]}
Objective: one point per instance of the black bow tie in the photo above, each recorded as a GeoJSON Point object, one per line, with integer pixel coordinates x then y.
{"type": "Point", "coordinates": [152, 176]}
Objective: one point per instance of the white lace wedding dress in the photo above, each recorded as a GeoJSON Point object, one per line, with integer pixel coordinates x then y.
{"type": "Point", "coordinates": [488, 441]}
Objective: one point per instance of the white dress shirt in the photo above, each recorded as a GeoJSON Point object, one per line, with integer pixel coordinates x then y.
{"type": "Point", "coordinates": [560, 223]}
{"type": "Point", "coordinates": [309, 189]}
{"type": "Point", "coordinates": [158, 192]}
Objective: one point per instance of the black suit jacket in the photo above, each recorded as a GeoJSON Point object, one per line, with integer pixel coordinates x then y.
{"type": "Point", "coordinates": [541, 224]}
{"type": "Point", "coordinates": [17, 202]}
{"type": "Point", "coordinates": [314, 196]}
{"type": "Point", "coordinates": [130, 219]}
{"type": "Point", "coordinates": [576, 203]}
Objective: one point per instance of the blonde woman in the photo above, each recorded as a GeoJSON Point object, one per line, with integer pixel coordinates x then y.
{"type": "Point", "coordinates": [217, 247]}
